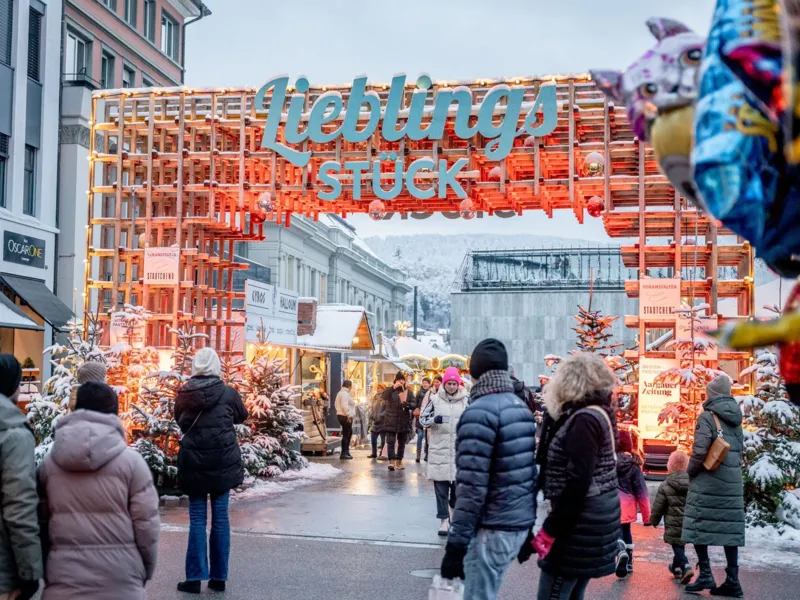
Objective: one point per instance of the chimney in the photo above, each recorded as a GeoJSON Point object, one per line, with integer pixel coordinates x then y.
{"type": "Point", "coordinates": [306, 316]}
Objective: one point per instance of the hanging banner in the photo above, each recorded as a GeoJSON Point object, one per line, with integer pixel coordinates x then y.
{"type": "Point", "coordinates": [161, 266]}
{"type": "Point", "coordinates": [120, 333]}
{"type": "Point", "coordinates": [705, 347]}
{"type": "Point", "coordinates": [658, 298]}
{"type": "Point", "coordinates": [654, 396]}
{"type": "Point", "coordinates": [271, 314]}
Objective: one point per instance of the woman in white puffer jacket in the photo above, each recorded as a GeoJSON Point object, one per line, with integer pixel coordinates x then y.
{"type": "Point", "coordinates": [440, 418]}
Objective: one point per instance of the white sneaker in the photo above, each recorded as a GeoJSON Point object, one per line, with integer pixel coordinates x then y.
{"type": "Point", "coordinates": [444, 528]}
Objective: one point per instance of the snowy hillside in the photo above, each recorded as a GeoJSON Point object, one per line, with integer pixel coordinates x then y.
{"type": "Point", "coordinates": [432, 263]}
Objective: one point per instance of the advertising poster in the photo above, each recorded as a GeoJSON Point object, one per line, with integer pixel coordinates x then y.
{"type": "Point", "coordinates": [161, 266]}
{"type": "Point", "coordinates": [654, 396]}
{"type": "Point", "coordinates": [658, 298]}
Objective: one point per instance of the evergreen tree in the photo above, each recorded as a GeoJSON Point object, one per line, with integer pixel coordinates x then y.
{"type": "Point", "coordinates": [772, 448]}
{"type": "Point", "coordinates": [270, 434]}
{"type": "Point", "coordinates": [594, 332]}
{"type": "Point", "coordinates": [66, 359]}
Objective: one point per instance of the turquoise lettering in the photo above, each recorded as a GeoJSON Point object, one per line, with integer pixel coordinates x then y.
{"type": "Point", "coordinates": [358, 167]}
{"type": "Point", "coordinates": [413, 169]}
{"type": "Point", "coordinates": [394, 104]}
{"type": "Point", "coordinates": [502, 136]}
{"type": "Point", "coordinates": [395, 190]}
{"type": "Point", "coordinates": [358, 96]}
{"type": "Point", "coordinates": [320, 116]}
{"type": "Point", "coordinates": [295, 114]}
{"type": "Point", "coordinates": [299, 159]}
{"type": "Point", "coordinates": [448, 177]}
{"type": "Point", "coordinates": [546, 99]}
{"type": "Point", "coordinates": [325, 168]}
{"type": "Point", "coordinates": [462, 96]}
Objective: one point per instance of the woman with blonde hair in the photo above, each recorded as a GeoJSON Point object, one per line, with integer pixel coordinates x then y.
{"type": "Point", "coordinates": [577, 454]}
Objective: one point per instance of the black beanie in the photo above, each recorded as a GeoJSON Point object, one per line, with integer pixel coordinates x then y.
{"type": "Point", "coordinates": [10, 375]}
{"type": "Point", "coordinates": [400, 376]}
{"type": "Point", "coordinates": [98, 397]}
{"type": "Point", "coordinates": [488, 355]}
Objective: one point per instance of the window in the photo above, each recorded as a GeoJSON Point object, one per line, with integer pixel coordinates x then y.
{"type": "Point", "coordinates": [110, 4]}
{"type": "Point", "coordinates": [169, 36]}
{"type": "Point", "coordinates": [78, 52]}
{"type": "Point", "coordinates": [30, 181]}
{"type": "Point", "coordinates": [3, 164]}
{"type": "Point", "coordinates": [34, 44]}
{"type": "Point", "coordinates": [128, 77]}
{"type": "Point", "coordinates": [147, 82]}
{"type": "Point", "coordinates": [6, 30]}
{"type": "Point", "coordinates": [150, 20]}
{"type": "Point", "coordinates": [107, 71]}
{"type": "Point", "coordinates": [131, 12]}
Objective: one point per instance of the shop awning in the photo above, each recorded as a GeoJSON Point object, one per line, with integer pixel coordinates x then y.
{"type": "Point", "coordinates": [11, 317]}
{"type": "Point", "coordinates": [41, 300]}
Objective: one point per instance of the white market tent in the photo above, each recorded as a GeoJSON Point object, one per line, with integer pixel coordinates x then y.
{"type": "Point", "coordinates": [339, 328]}
{"type": "Point", "coordinates": [406, 346]}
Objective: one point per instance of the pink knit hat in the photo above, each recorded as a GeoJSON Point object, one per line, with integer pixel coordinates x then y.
{"type": "Point", "coordinates": [678, 462]}
{"type": "Point", "coordinates": [451, 374]}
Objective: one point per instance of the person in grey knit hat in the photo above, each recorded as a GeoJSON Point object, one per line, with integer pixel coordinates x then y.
{"type": "Point", "coordinates": [89, 371]}
{"type": "Point", "coordinates": [714, 514]}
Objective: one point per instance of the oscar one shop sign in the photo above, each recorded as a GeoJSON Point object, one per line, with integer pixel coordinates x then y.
{"type": "Point", "coordinates": [271, 314]}
{"type": "Point", "coordinates": [23, 250]}
{"type": "Point", "coordinates": [496, 117]}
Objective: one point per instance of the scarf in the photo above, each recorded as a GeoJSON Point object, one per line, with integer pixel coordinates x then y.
{"type": "Point", "coordinates": [492, 382]}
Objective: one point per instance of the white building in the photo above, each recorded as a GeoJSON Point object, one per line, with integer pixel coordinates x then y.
{"type": "Point", "coordinates": [327, 260]}
{"type": "Point", "coordinates": [30, 75]}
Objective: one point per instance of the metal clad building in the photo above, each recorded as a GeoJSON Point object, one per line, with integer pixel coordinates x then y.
{"type": "Point", "coordinates": [528, 299]}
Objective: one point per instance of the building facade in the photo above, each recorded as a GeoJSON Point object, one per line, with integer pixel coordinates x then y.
{"type": "Point", "coordinates": [30, 69]}
{"type": "Point", "coordinates": [108, 44]}
{"type": "Point", "coordinates": [327, 260]}
{"type": "Point", "coordinates": [528, 299]}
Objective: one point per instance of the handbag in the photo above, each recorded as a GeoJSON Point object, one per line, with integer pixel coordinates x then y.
{"type": "Point", "coordinates": [718, 450]}
{"type": "Point", "coordinates": [446, 589]}
{"type": "Point", "coordinates": [191, 426]}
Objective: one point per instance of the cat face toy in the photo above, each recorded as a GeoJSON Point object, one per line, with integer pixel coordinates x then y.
{"type": "Point", "coordinates": [664, 78]}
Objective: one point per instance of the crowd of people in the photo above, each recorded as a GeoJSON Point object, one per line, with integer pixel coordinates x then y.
{"type": "Point", "coordinates": [488, 464]}
{"type": "Point", "coordinates": [86, 523]}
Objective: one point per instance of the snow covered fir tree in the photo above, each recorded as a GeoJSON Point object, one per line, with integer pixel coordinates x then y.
{"type": "Point", "coordinates": [594, 332]}
{"type": "Point", "coordinates": [270, 438]}
{"type": "Point", "coordinates": [772, 448]}
{"type": "Point", "coordinates": [66, 359]}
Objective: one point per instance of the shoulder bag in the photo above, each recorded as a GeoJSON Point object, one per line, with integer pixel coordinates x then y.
{"type": "Point", "coordinates": [718, 450]}
{"type": "Point", "coordinates": [610, 428]}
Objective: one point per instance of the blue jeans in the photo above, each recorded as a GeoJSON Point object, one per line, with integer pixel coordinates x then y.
{"type": "Point", "coordinates": [421, 435]}
{"type": "Point", "coordinates": [489, 555]}
{"type": "Point", "coordinates": [219, 541]}
{"type": "Point", "coordinates": [374, 437]}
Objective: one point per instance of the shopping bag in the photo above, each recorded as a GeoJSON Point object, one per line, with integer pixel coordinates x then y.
{"type": "Point", "coordinates": [446, 589]}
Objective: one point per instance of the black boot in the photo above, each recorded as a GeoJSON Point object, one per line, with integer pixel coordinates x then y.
{"type": "Point", "coordinates": [189, 587]}
{"type": "Point", "coordinates": [704, 581]}
{"type": "Point", "coordinates": [217, 586]}
{"type": "Point", "coordinates": [731, 588]}
{"type": "Point", "coordinates": [629, 550]}
{"type": "Point", "coordinates": [622, 561]}
{"type": "Point", "coordinates": [686, 573]}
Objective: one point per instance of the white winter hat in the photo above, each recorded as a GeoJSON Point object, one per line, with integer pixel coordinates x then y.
{"type": "Point", "coordinates": [206, 364]}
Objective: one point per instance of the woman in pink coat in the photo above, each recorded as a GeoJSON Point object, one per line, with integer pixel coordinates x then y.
{"type": "Point", "coordinates": [98, 506]}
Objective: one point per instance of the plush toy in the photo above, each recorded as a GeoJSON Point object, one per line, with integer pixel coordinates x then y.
{"type": "Point", "coordinates": [659, 91]}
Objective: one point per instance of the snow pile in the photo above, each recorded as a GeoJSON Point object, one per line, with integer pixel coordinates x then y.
{"type": "Point", "coordinates": [289, 480]}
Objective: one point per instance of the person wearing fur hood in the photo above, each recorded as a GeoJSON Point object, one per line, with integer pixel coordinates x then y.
{"type": "Point", "coordinates": [577, 454]}
{"type": "Point", "coordinates": [440, 418]}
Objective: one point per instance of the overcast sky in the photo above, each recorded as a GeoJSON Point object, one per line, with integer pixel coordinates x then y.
{"type": "Point", "coordinates": [246, 42]}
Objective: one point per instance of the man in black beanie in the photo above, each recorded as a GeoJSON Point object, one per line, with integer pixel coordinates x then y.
{"type": "Point", "coordinates": [98, 397]}
{"type": "Point", "coordinates": [10, 376]}
{"type": "Point", "coordinates": [495, 479]}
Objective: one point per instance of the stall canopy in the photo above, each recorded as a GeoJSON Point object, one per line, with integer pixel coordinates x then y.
{"type": "Point", "coordinates": [41, 300]}
{"type": "Point", "coordinates": [407, 347]}
{"type": "Point", "coordinates": [12, 317]}
{"type": "Point", "coordinates": [339, 328]}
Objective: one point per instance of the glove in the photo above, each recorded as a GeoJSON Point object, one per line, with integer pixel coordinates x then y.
{"type": "Point", "coordinates": [27, 589]}
{"type": "Point", "coordinates": [438, 419]}
{"type": "Point", "coordinates": [453, 562]}
{"type": "Point", "coordinates": [543, 543]}
{"type": "Point", "coordinates": [527, 549]}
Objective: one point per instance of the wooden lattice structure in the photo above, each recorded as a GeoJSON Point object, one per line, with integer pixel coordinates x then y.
{"type": "Point", "coordinates": [186, 167]}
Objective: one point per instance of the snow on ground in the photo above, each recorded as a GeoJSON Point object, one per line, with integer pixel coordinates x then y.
{"type": "Point", "coordinates": [289, 480]}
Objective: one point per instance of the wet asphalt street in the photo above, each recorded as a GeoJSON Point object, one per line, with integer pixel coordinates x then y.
{"type": "Point", "coordinates": [370, 534]}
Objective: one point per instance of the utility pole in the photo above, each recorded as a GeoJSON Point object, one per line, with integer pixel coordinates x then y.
{"type": "Point", "coordinates": [415, 312]}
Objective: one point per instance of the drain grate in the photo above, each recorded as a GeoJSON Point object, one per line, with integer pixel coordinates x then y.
{"type": "Point", "coordinates": [424, 573]}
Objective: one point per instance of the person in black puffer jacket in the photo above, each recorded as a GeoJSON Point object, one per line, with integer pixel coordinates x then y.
{"type": "Point", "coordinates": [209, 464]}
{"type": "Point", "coordinates": [396, 413]}
{"type": "Point", "coordinates": [579, 538]}
{"type": "Point", "coordinates": [495, 480]}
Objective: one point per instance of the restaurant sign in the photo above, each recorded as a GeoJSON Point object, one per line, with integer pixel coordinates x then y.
{"type": "Point", "coordinates": [495, 116]}
{"type": "Point", "coordinates": [271, 314]}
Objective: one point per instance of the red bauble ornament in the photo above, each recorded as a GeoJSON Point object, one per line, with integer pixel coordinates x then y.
{"type": "Point", "coordinates": [495, 173]}
{"type": "Point", "coordinates": [595, 206]}
{"type": "Point", "coordinates": [258, 217]}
